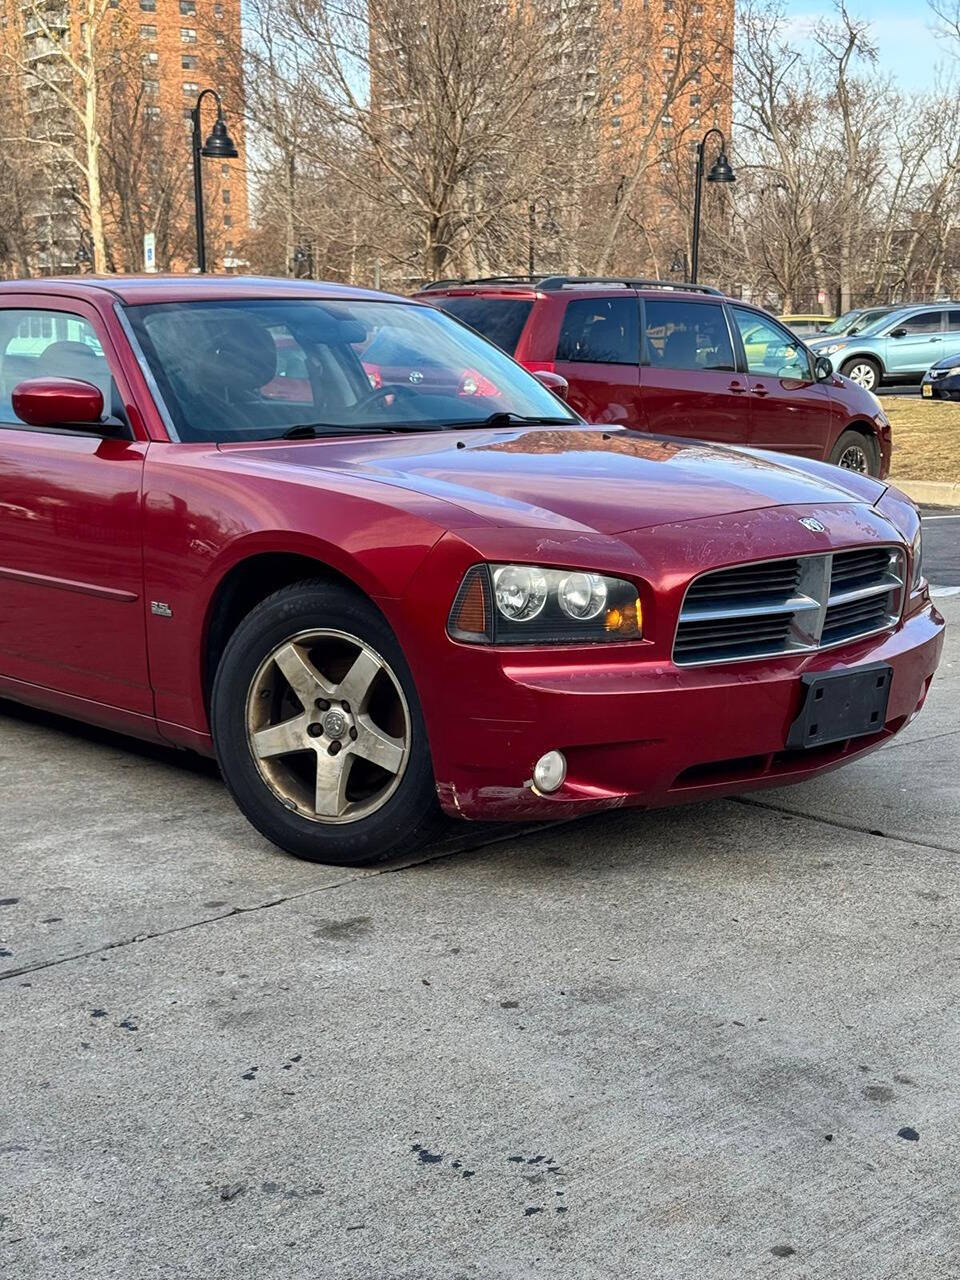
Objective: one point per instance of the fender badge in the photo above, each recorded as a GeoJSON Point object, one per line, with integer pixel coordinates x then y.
{"type": "Point", "coordinates": [814, 525]}
{"type": "Point", "coordinates": [161, 609]}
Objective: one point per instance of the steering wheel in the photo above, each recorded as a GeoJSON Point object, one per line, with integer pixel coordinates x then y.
{"type": "Point", "coordinates": [381, 393]}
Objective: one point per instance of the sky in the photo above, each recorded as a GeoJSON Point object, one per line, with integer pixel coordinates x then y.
{"type": "Point", "coordinates": [902, 31]}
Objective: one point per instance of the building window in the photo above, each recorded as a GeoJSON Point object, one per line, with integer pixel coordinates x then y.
{"type": "Point", "coordinates": [188, 35]}
{"type": "Point", "coordinates": [148, 6]}
{"type": "Point", "coordinates": [218, 10]}
{"type": "Point", "coordinates": [218, 36]}
{"type": "Point", "coordinates": [617, 99]}
{"type": "Point", "coordinates": [188, 7]}
{"type": "Point", "coordinates": [150, 59]}
{"type": "Point", "coordinates": [152, 113]}
{"type": "Point", "coordinates": [227, 220]}
{"type": "Point", "coordinates": [694, 99]}
{"type": "Point", "coordinates": [226, 196]}
{"type": "Point", "coordinates": [616, 122]}
{"type": "Point", "coordinates": [151, 88]}
{"type": "Point", "coordinates": [221, 64]}
{"type": "Point", "coordinates": [190, 87]}
{"type": "Point", "coordinates": [225, 171]}
{"type": "Point", "coordinates": [188, 115]}
{"type": "Point", "coordinates": [669, 54]}
{"type": "Point", "coordinates": [189, 62]}
{"type": "Point", "coordinates": [148, 33]}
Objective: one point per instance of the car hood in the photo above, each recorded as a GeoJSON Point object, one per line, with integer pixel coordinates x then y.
{"type": "Point", "coordinates": [947, 362]}
{"type": "Point", "coordinates": [578, 478]}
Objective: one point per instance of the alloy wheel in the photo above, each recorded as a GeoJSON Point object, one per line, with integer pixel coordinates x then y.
{"type": "Point", "coordinates": [328, 726]}
{"type": "Point", "coordinates": [854, 458]}
{"type": "Point", "coordinates": [864, 375]}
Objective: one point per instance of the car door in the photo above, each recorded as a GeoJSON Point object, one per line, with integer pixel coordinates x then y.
{"type": "Point", "coordinates": [789, 410]}
{"type": "Point", "coordinates": [917, 342]}
{"type": "Point", "coordinates": [598, 352]}
{"type": "Point", "coordinates": [689, 382]}
{"type": "Point", "coordinates": [71, 572]}
{"type": "Point", "coordinates": [951, 339]}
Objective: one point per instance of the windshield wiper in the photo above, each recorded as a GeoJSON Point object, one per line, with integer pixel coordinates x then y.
{"type": "Point", "coordinates": [502, 418]}
{"type": "Point", "coordinates": [314, 430]}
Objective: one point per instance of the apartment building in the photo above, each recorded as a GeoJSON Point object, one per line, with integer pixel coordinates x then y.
{"type": "Point", "coordinates": [152, 59]}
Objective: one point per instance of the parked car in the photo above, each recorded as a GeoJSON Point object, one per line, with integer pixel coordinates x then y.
{"type": "Point", "coordinates": [806, 326]}
{"type": "Point", "coordinates": [378, 604]}
{"type": "Point", "coordinates": [898, 347]}
{"type": "Point", "coordinates": [677, 360]}
{"type": "Point", "coordinates": [855, 321]}
{"type": "Point", "coordinates": [942, 381]}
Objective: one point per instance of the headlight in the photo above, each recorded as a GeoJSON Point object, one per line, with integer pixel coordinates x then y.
{"type": "Point", "coordinates": [916, 559]}
{"type": "Point", "coordinates": [830, 348]}
{"type": "Point", "coordinates": [526, 604]}
{"type": "Point", "coordinates": [951, 373]}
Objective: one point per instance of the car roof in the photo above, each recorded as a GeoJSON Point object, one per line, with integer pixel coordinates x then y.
{"type": "Point", "coordinates": [137, 290]}
{"type": "Point", "coordinates": [543, 286]}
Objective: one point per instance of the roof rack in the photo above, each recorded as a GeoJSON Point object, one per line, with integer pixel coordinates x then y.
{"type": "Point", "coordinates": [563, 282]}
{"type": "Point", "coordinates": [445, 284]}
{"type": "Point", "coordinates": [550, 283]}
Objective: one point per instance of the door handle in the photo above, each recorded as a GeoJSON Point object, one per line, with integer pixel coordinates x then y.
{"type": "Point", "coordinates": [737, 388]}
{"type": "Point", "coordinates": [938, 340]}
{"type": "Point", "coordinates": [760, 390]}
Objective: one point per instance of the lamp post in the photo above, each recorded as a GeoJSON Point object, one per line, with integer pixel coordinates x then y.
{"type": "Point", "coordinates": [218, 146]}
{"type": "Point", "coordinates": [721, 171]}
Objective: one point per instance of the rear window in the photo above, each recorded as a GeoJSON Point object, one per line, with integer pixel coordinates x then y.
{"type": "Point", "coordinates": [499, 320]}
{"type": "Point", "coordinates": [600, 331]}
{"type": "Point", "coordinates": [687, 335]}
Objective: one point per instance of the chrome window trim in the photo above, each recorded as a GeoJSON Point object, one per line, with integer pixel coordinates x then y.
{"type": "Point", "coordinates": [145, 369]}
{"type": "Point", "coordinates": [821, 605]}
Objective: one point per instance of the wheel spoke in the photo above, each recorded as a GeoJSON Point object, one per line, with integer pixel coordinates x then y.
{"type": "Point", "coordinates": [355, 685]}
{"type": "Point", "coordinates": [378, 747]}
{"type": "Point", "coordinates": [301, 675]}
{"type": "Point", "coordinates": [282, 739]}
{"type": "Point", "coordinates": [332, 774]}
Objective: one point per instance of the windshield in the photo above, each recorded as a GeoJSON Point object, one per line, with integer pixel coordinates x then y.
{"type": "Point", "coordinates": [881, 322]}
{"type": "Point", "coordinates": [256, 369]}
{"type": "Point", "coordinates": [841, 324]}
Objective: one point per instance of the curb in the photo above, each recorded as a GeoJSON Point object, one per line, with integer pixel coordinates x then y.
{"type": "Point", "coordinates": [939, 493]}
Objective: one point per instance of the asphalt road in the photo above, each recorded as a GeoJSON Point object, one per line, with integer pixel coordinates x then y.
{"type": "Point", "coordinates": [717, 1042]}
{"type": "Point", "coordinates": [941, 545]}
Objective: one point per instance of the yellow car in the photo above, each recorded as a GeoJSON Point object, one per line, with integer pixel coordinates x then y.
{"type": "Point", "coordinates": [807, 326]}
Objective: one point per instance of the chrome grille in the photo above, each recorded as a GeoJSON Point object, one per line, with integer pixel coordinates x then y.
{"type": "Point", "coordinates": [791, 605]}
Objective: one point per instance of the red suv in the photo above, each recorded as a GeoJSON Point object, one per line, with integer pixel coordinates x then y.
{"type": "Point", "coordinates": [676, 360]}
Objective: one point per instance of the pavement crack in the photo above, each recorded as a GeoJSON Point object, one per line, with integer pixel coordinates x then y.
{"type": "Point", "coordinates": [843, 826]}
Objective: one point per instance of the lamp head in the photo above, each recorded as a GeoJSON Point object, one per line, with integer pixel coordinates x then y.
{"type": "Point", "coordinates": [721, 170]}
{"type": "Point", "coordinates": [219, 145]}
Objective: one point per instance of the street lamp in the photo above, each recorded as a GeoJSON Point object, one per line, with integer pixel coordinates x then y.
{"type": "Point", "coordinates": [218, 146]}
{"type": "Point", "coordinates": [721, 171]}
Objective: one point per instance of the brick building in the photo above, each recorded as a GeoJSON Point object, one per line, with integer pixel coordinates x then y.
{"type": "Point", "coordinates": [152, 59]}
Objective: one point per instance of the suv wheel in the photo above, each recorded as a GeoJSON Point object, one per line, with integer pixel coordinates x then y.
{"type": "Point", "coordinates": [318, 729]}
{"type": "Point", "coordinates": [863, 371]}
{"type": "Point", "coordinates": [856, 452]}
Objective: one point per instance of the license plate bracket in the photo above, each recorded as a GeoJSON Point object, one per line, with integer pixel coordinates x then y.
{"type": "Point", "coordinates": [840, 705]}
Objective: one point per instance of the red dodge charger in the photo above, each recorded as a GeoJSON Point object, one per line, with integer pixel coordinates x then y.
{"type": "Point", "coordinates": [384, 573]}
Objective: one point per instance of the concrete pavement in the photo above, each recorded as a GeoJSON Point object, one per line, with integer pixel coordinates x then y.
{"type": "Point", "coordinates": [711, 1042]}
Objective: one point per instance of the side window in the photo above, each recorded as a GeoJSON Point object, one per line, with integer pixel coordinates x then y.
{"type": "Point", "coordinates": [600, 331]}
{"type": "Point", "coordinates": [771, 352]}
{"type": "Point", "coordinates": [687, 335]}
{"type": "Point", "coordinates": [924, 322]}
{"type": "Point", "coordinates": [953, 321]}
{"type": "Point", "coordinates": [49, 344]}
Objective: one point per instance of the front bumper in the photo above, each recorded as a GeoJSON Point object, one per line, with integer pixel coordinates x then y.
{"type": "Point", "coordinates": [647, 733]}
{"type": "Point", "coordinates": [940, 388]}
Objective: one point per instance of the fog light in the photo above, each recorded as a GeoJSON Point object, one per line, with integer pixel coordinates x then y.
{"type": "Point", "coordinates": [550, 771]}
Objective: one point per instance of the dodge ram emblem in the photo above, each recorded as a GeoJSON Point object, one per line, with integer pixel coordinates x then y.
{"type": "Point", "coordinates": [814, 525]}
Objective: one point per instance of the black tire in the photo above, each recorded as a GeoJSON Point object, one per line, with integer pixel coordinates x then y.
{"type": "Point", "coordinates": [854, 446]}
{"type": "Point", "coordinates": [860, 369]}
{"type": "Point", "coordinates": [407, 819]}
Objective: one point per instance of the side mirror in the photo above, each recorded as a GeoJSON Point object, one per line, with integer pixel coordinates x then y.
{"type": "Point", "coordinates": [823, 368]}
{"type": "Point", "coordinates": [898, 333]}
{"type": "Point", "coordinates": [58, 402]}
{"type": "Point", "coordinates": [554, 382]}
